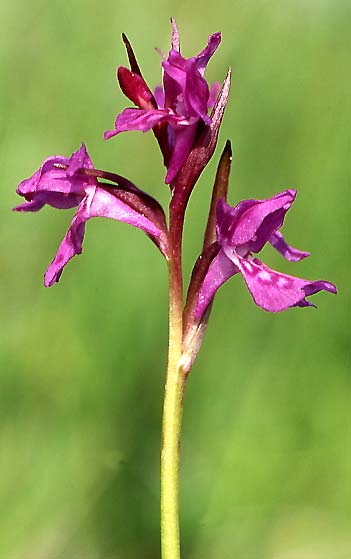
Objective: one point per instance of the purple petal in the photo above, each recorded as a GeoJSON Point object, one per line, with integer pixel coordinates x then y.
{"type": "Point", "coordinates": [55, 199]}
{"type": "Point", "coordinates": [260, 219]}
{"type": "Point", "coordinates": [228, 217]}
{"type": "Point", "coordinates": [32, 206]}
{"type": "Point", "coordinates": [79, 160]}
{"type": "Point", "coordinates": [186, 91]}
{"type": "Point", "coordinates": [183, 141]}
{"type": "Point", "coordinates": [290, 253]}
{"type": "Point", "coordinates": [59, 182]}
{"type": "Point", "coordinates": [56, 183]}
{"type": "Point", "coordinates": [30, 186]}
{"type": "Point", "coordinates": [174, 88]}
{"type": "Point", "coordinates": [69, 247]}
{"type": "Point", "coordinates": [250, 215]}
{"type": "Point", "coordinates": [159, 95]}
{"type": "Point", "coordinates": [196, 95]}
{"type": "Point", "coordinates": [174, 82]}
{"type": "Point", "coordinates": [97, 203]}
{"type": "Point", "coordinates": [138, 119]}
{"type": "Point", "coordinates": [252, 219]}
{"type": "Point", "coordinates": [271, 290]}
{"type": "Point", "coordinates": [176, 67]}
{"type": "Point", "coordinates": [204, 56]}
{"type": "Point", "coordinates": [315, 286]}
{"type": "Point", "coordinates": [269, 225]}
{"type": "Point", "coordinates": [305, 303]}
{"type": "Point", "coordinates": [220, 270]}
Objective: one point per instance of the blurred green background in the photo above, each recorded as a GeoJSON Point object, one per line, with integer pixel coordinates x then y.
{"type": "Point", "coordinates": [266, 458]}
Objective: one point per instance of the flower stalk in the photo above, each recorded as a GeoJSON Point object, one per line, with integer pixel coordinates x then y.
{"type": "Point", "coordinates": [170, 453]}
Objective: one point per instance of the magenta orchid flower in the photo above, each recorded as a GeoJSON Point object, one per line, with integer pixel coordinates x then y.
{"type": "Point", "coordinates": [68, 182]}
{"type": "Point", "coordinates": [180, 105]}
{"type": "Point", "coordinates": [243, 231]}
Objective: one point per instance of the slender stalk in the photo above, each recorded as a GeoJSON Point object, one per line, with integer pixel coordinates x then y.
{"type": "Point", "coordinates": [172, 413]}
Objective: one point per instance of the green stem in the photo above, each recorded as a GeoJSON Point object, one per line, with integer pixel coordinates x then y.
{"type": "Point", "coordinates": [172, 414]}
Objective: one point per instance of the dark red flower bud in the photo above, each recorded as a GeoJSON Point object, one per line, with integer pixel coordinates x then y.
{"type": "Point", "coordinates": [135, 88]}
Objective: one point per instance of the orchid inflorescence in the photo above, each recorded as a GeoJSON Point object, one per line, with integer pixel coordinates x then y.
{"type": "Point", "coordinates": [178, 115]}
{"type": "Point", "coordinates": [185, 116]}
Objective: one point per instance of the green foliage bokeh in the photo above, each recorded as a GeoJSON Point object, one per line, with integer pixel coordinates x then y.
{"type": "Point", "coordinates": [266, 456]}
